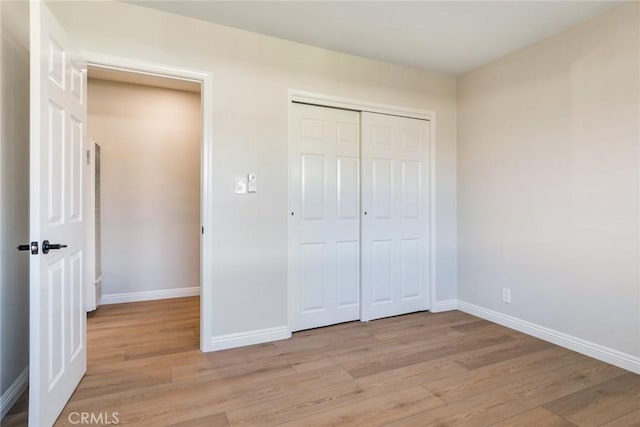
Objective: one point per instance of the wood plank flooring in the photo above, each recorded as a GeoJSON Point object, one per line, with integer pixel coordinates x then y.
{"type": "Point", "coordinates": [422, 369]}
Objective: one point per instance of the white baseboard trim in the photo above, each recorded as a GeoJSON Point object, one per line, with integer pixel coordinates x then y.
{"type": "Point", "coordinates": [446, 305]}
{"type": "Point", "coordinates": [149, 295]}
{"type": "Point", "coordinates": [13, 393]}
{"type": "Point", "coordinates": [222, 342]}
{"type": "Point", "coordinates": [597, 351]}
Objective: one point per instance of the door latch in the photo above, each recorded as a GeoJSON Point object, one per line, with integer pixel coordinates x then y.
{"type": "Point", "coordinates": [33, 247]}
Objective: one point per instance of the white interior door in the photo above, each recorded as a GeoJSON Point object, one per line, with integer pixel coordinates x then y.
{"type": "Point", "coordinates": [395, 221]}
{"type": "Point", "coordinates": [58, 354]}
{"type": "Point", "coordinates": [324, 211]}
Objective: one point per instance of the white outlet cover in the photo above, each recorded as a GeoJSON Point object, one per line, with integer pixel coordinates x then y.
{"type": "Point", "coordinates": [506, 295]}
{"type": "Point", "coordinates": [241, 184]}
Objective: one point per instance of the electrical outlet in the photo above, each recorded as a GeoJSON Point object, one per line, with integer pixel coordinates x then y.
{"type": "Point", "coordinates": [506, 295]}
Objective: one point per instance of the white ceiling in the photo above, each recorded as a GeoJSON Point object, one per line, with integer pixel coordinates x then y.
{"type": "Point", "coordinates": [446, 36]}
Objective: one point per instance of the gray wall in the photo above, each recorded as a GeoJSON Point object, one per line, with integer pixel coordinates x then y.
{"type": "Point", "coordinates": [548, 182]}
{"type": "Point", "coordinates": [14, 191]}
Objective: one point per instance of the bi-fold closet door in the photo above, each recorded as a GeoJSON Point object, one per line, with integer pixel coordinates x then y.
{"type": "Point", "coordinates": [358, 216]}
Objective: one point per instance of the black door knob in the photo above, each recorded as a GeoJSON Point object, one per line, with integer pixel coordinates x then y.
{"type": "Point", "coordinates": [46, 246]}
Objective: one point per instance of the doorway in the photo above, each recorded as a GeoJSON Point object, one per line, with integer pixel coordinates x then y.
{"type": "Point", "coordinates": [144, 208]}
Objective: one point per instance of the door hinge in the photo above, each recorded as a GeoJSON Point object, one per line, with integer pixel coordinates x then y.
{"type": "Point", "coordinates": [88, 157]}
{"type": "Point", "coordinates": [203, 229]}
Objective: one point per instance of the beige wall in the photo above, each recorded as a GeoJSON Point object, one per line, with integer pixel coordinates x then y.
{"type": "Point", "coordinates": [251, 78]}
{"type": "Point", "coordinates": [14, 191]}
{"type": "Point", "coordinates": [548, 182]}
{"type": "Point", "coordinates": [150, 185]}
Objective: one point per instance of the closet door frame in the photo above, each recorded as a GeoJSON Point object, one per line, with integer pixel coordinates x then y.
{"type": "Point", "coordinates": [298, 96]}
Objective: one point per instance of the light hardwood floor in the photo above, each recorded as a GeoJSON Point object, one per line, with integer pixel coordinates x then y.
{"type": "Point", "coordinates": [447, 369]}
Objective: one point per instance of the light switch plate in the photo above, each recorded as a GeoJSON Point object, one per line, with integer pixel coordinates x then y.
{"type": "Point", "coordinates": [241, 184]}
{"type": "Point", "coordinates": [251, 183]}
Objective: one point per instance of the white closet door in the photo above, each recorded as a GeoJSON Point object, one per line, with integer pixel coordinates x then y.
{"type": "Point", "coordinates": [324, 206]}
{"type": "Point", "coordinates": [395, 221]}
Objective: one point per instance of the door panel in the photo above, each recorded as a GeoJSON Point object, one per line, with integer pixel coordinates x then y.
{"type": "Point", "coordinates": [76, 317]}
{"type": "Point", "coordinates": [313, 187]}
{"type": "Point", "coordinates": [382, 170]}
{"type": "Point", "coordinates": [381, 270]}
{"type": "Point", "coordinates": [324, 212]}
{"type": "Point", "coordinates": [55, 165]}
{"type": "Point", "coordinates": [410, 268]}
{"type": "Point", "coordinates": [57, 191]}
{"type": "Point", "coordinates": [313, 260]}
{"type": "Point", "coordinates": [55, 323]}
{"type": "Point", "coordinates": [410, 191]}
{"type": "Point", "coordinates": [395, 224]}
{"type": "Point", "coordinates": [76, 165]}
{"type": "Point", "coordinates": [348, 188]}
{"type": "Point", "coordinates": [348, 259]}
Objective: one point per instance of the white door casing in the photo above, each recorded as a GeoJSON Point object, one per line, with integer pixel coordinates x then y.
{"type": "Point", "coordinates": [57, 164]}
{"type": "Point", "coordinates": [324, 206]}
{"type": "Point", "coordinates": [395, 220]}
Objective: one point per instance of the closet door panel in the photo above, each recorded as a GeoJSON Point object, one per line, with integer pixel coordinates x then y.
{"type": "Point", "coordinates": [348, 269]}
{"type": "Point", "coordinates": [395, 222]}
{"type": "Point", "coordinates": [324, 216]}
